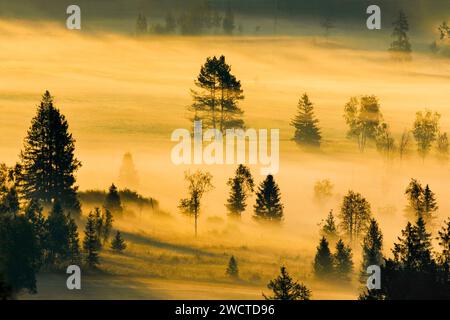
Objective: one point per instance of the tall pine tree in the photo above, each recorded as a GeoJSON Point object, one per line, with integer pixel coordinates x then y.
{"type": "Point", "coordinates": [242, 186]}
{"type": "Point", "coordinates": [343, 264]}
{"type": "Point", "coordinates": [48, 163]}
{"type": "Point", "coordinates": [372, 248]}
{"type": "Point", "coordinates": [305, 123]}
{"type": "Point", "coordinates": [323, 261]}
{"type": "Point", "coordinates": [268, 201]}
{"type": "Point", "coordinates": [91, 243]}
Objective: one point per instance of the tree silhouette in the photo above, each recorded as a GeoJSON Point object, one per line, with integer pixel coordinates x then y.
{"type": "Point", "coordinates": [242, 186]}
{"type": "Point", "coordinates": [363, 117]}
{"type": "Point", "coordinates": [342, 260]}
{"type": "Point", "coordinates": [58, 236]}
{"type": "Point", "coordinates": [372, 248]}
{"type": "Point", "coordinates": [118, 243]}
{"type": "Point", "coordinates": [323, 261]}
{"type": "Point", "coordinates": [285, 288]}
{"type": "Point", "coordinates": [355, 215]}
{"type": "Point", "coordinates": [305, 123]}
{"type": "Point", "coordinates": [425, 131]}
{"type": "Point", "coordinates": [268, 201]}
{"type": "Point", "coordinates": [113, 202]}
{"type": "Point", "coordinates": [216, 102]}
{"type": "Point", "coordinates": [199, 184]}
{"type": "Point", "coordinates": [400, 44]}
{"type": "Point", "coordinates": [329, 228]}
{"type": "Point", "coordinates": [233, 269]}
{"type": "Point", "coordinates": [91, 243]}
{"type": "Point", "coordinates": [48, 163]}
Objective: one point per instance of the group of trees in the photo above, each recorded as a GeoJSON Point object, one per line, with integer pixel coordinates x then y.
{"type": "Point", "coordinates": [39, 206]}
{"type": "Point", "coordinates": [199, 19]}
{"type": "Point", "coordinates": [268, 206]}
{"type": "Point", "coordinates": [337, 266]}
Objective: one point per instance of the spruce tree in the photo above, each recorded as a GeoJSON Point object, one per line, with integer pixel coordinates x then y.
{"type": "Point", "coordinates": [444, 243]}
{"type": "Point", "coordinates": [401, 41]}
{"type": "Point", "coordinates": [91, 242]}
{"type": "Point", "coordinates": [429, 204]}
{"type": "Point", "coordinates": [268, 201]}
{"type": "Point", "coordinates": [343, 264]}
{"type": "Point", "coordinates": [48, 163]}
{"type": "Point", "coordinates": [305, 123]}
{"type": "Point", "coordinates": [118, 243]}
{"type": "Point", "coordinates": [98, 222]}
{"type": "Point", "coordinates": [372, 247]}
{"type": "Point", "coordinates": [233, 269]}
{"type": "Point", "coordinates": [323, 261]}
{"type": "Point", "coordinates": [34, 214]}
{"type": "Point", "coordinates": [285, 288]}
{"type": "Point", "coordinates": [74, 242]}
{"type": "Point", "coordinates": [329, 228]}
{"type": "Point", "coordinates": [242, 186]}
{"type": "Point", "coordinates": [112, 201]}
{"type": "Point", "coordinates": [58, 236]}
{"type": "Point", "coordinates": [107, 218]}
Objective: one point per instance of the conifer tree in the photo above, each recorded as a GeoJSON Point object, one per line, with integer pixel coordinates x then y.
{"type": "Point", "coordinates": [107, 225]}
{"type": "Point", "coordinates": [48, 163]}
{"type": "Point", "coordinates": [323, 261]}
{"type": "Point", "coordinates": [33, 213]}
{"type": "Point", "coordinates": [329, 229]}
{"type": "Point", "coordinates": [58, 236]}
{"type": "Point", "coordinates": [285, 288]}
{"type": "Point", "coordinates": [74, 242]}
{"type": "Point", "coordinates": [343, 264]}
{"type": "Point", "coordinates": [112, 201]}
{"type": "Point", "coordinates": [372, 247]}
{"type": "Point", "coordinates": [401, 40]}
{"type": "Point", "coordinates": [444, 243]}
{"type": "Point", "coordinates": [233, 269]}
{"type": "Point", "coordinates": [242, 186]}
{"type": "Point", "coordinates": [98, 221]}
{"type": "Point", "coordinates": [305, 123]}
{"type": "Point", "coordinates": [91, 242]}
{"type": "Point", "coordinates": [429, 204]}
{"type": "Point", "coordinates": [118, 243]}
{"type": "Point", "coordinates": [268, 201]}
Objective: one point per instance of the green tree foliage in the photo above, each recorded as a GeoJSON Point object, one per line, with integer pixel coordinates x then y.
{"type": "Point", "coordinates": [372, 248]}
{"type": "Point", "coordinates": [268, 201]}
{"type": "Point", "coordinates": [363, 117]}
{"type": "Point", "coordinates": [323, 261]}
{"type": "Point", "coordinates": [355, 215]}
{"type": "Point", "coordinates": [91, 242]}
{"type": "Point", "coordinates": [242, 185]}
{"type": "Point", "coordinates": [329, 229]}
{"type": "Point", "coordinates": [425, 131]}
{"type": "Point", "coordinates": [216, 102]}
{"type": "Point", "coordinates": [285, 288]}
{"type": "Point", "coordinates": [118, 243]}
{"type": "Point", "coordinates": [400, 44]}
{"type": "Point", "coordinates": [307, 131]}
{"type": "Point", "coordinates": [342, 261]}
{"type": "Point", "coordinates": [48, 163]}
{"type": "Point", "coordinates": [74, 242]}
{"type": "Point", "coordinates": [113, 202]}
{"type": "Point", "coordinates": [233, 269]}
{"type": "Point", "coordinates": [198, 184]}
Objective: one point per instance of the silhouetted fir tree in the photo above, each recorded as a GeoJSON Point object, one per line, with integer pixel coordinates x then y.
{"type": "Point", "coordinates": [444, 255]}
{"type": "Point", "coordinates": [329, 229]}
{"type": "Point", "coordinates": [323, 261]}
{"type": "Point", "coordinates": [48, 163]}
{"type": "Point", "coordinates": [242, 186]}
{"type": "Point", "coordinates": [343, 263]}
{"type": "Point", "coordinates": [19, 254]}
{"type": "Point", "coordinates": [285, 288]}
{"type": "Point", "coordinates": [233, 269]}
{"type": "Point", "coordinates": [401, 40]}
{"type": "Point", "coordinates": [305, 123]}
{"type": "Point", "coordinates": [33, 212]}
{"type": "Point", "coordinates": [58, 236]}
{"type": "Point", "coordinates": [268, 201]}
{"type": "Point", "coordinates": [414, 194]}
{"type": "Point", "coordinates": [91, 242]}
{"type": "Point", "coordinates": [429, 204]}
{"type": "Point", "coordinates": [74, 242]}
{"type": "Point", "coordinates": [118, 243]}
{"type": "Point", "coordinates": [112, 201]}
{"type": "Point", "coordinates": [372, 248]}
{"type": "Point", "coordinates": [217, 101]}
{"type": "Point", "coordinates": [355, 215]}
{"type": "Point", "coordinates": [107, 218]}
{"type": "Point", "coordinates": [98, 222]}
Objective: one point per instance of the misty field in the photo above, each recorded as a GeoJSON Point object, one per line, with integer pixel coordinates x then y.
{"type": "Point", "coordinates": [122, 94]}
